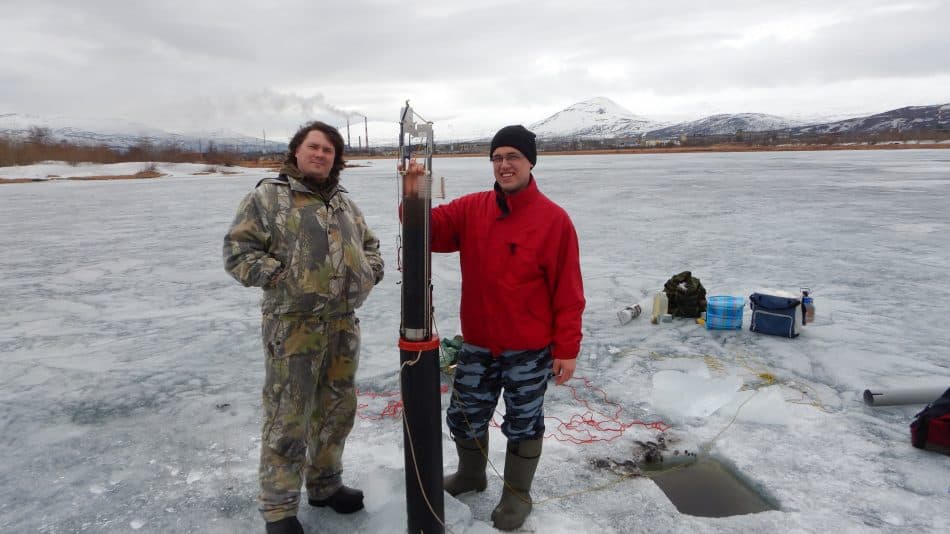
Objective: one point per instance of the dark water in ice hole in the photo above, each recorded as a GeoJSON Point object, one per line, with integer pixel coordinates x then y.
{"type": "Point", "coordinates": [707, 488]}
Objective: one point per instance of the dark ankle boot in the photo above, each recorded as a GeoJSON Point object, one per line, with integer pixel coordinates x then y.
{"type": "Point", "coordinates": [287, 525]}
{"type": "Point", "coordinates": [470, 475]}
{"type": "Point", "coordinates": [344, 501]}
{"type": "Point", "coordinates": [521, 461]}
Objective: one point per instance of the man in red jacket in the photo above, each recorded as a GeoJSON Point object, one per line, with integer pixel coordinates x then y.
{"type": "Point", "coordinates": [522, 301]}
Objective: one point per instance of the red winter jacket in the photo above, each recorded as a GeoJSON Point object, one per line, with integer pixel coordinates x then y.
{"type": "Point", "coordinates": [521, 275]}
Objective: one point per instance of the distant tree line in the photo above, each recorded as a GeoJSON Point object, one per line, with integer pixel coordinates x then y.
{"type": "Point", "coordinates": [749, 139]}
{"type": "Point", "coordinates": [39, 145]}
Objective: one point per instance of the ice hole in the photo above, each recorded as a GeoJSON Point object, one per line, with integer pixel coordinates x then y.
{"type": "Point", "coordinates": [708, 488]}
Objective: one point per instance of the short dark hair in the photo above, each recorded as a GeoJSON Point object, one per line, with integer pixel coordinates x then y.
{"type": "Point", "coordinates": [333, 135]}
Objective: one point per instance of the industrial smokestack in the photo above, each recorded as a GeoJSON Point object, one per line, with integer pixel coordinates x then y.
{"type": "Point", "coordinates": [348, 145]}
{"type": "Point", "coordinates": [366, 128]}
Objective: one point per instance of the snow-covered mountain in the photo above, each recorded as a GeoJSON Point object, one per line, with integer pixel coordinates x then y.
{"type": "Point", "coordinates": [595, 118]}
{"type": "Point", "coordinates": [931, 118]}
{"type": "Point", "coordinates": [602, 118]}
{"type": "Point", "coordinates": [120, 134]}
{"type": "Point", "coordinates": [725, 124]}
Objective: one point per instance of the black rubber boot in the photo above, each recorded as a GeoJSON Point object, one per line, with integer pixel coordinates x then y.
{"type": "Point", "coordinates": [521, 461]}
{"type": "Point", "coordinates": [287, 525]}
{"type": "Point", "coordinates": [470, 475]}
{"type": "Point", "coordinates": [344, 501]}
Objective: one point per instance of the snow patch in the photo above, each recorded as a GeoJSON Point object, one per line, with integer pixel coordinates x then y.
{"type": "Point", "coordinates": [678, 394]}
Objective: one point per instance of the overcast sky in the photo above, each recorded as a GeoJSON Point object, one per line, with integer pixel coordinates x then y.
{"type": "Point", "coordinates": [470, 66]}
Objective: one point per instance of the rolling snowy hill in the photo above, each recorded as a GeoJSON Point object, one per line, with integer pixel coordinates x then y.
{"type": "Point", "coordinates": [120, 134]}
{"type": "Point", "coordinates": [930, 118]}
{"type": "Point", "coordinates": [725, 124]}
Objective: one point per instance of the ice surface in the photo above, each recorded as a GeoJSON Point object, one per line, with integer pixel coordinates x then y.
{"type": "Point", "coordinates": [677, 394]}
{"type": "Point", "coordinates": [130, 363]}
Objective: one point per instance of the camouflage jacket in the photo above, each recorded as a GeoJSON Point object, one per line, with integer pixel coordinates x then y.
{"type": "Point", "coordinates": [310, 255]}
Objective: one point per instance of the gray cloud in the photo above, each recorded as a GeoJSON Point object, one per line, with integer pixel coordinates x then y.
{"type": "Point", "coordinates": [250, 65]}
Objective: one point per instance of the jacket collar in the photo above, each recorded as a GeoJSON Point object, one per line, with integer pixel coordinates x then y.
{"type": "Point", "coordinates": [298, 183]}
{"type": "Point", "coordinates": [515, 201]}
{"type": "Point", "coordinates": [300, 186]}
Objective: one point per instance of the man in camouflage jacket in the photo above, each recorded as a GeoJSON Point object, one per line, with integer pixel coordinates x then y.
{"type": "Point", "coordinates": [305, 242]}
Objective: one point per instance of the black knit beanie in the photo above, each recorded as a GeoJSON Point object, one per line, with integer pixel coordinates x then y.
{"type": "Point", "coordinates": [516, 136]}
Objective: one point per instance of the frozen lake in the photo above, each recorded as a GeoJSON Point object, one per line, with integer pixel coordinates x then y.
{"type": "Point", "coordinates": [131, 367]}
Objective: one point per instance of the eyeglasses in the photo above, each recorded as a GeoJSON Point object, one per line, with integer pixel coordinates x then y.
{"type": "Point", "coordinates": [510, 158]}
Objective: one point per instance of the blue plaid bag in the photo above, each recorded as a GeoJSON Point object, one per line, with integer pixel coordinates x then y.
{"type": "Point", "coordinates": [775, 315]}
{"type": "Point", "coordinates": [724, 312]}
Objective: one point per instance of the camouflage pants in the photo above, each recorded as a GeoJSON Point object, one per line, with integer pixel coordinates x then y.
{"type": "Point", "coordinates": [309, 407]}
{"type": "Point", "coordinates": [479, 379]}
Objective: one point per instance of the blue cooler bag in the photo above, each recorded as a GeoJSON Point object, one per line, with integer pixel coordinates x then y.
{"type": "Point", "coordinates": [774, 315]}
{"type": "Point", "coordinates": [724, 312]}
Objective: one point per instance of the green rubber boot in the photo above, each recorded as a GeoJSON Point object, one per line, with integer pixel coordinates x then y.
{"type": "Point", "coordinates": [471, 471]}
{"type": "Point", "coordinates": [520, 463]}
